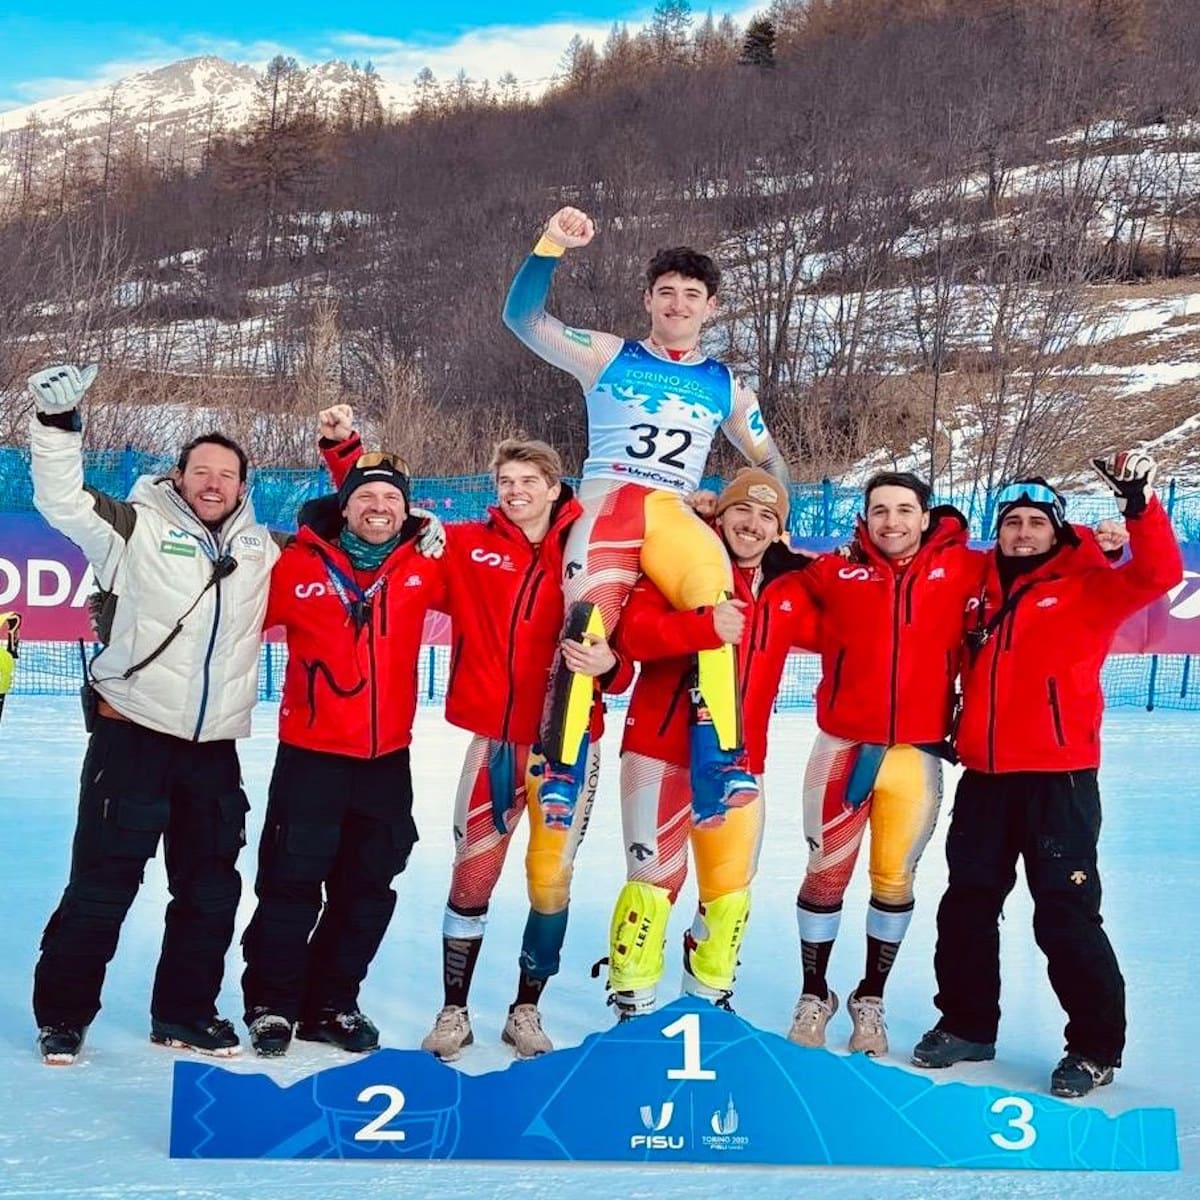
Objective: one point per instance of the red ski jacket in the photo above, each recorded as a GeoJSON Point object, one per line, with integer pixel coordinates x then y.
{"type": "Point", "coordinates": [1031, 693]}
{"type": "Point", "coordinates": [350, 686]}
{"type": "Point", "coordinates": [778, 617]}
{"type": "Point", "coordinates": [506, 606]}
{"type": "Point", "coordinates": [891, 641]}
{"type": "Point", "coordinates": [504, 598]}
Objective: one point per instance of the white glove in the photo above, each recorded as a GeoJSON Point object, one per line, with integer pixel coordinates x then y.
{"type": "Point", "coordinates": [60, 389]}
{"type": "Point", "coordinates": [1130, 474]}
{"type": "Point", "coordinates": [431, 541]}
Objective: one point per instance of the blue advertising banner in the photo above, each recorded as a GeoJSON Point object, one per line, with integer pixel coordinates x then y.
{"type": "Point", "coordinates": [689, 1083]}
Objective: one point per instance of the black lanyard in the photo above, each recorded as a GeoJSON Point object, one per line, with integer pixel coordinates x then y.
{"type": "Point", "coordinates": [979, 637]}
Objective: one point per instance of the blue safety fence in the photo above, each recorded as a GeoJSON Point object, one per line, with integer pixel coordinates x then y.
{"type": "Point", "coordinates": [1147, 681]}
{"type": "Point", "coordinates": [818, 510]}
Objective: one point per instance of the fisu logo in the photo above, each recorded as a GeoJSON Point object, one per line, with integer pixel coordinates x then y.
{"type": "Point", "coordinates": [664, 1117]}
{"type": "Point", "coordinates": [656, 1140]}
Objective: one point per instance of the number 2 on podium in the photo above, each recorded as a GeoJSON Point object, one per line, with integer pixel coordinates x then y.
{"type": "Point", "coordinates": [689, 1026]}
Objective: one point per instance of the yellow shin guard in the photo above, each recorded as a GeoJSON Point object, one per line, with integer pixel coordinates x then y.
{"type": "Point", "coordinates": [638, 937]}
{"type": "Point", "coordinates": [711, 947]}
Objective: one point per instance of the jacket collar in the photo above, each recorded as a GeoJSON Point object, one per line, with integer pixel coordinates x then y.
{"type": "Point", "coordinates": [947, 527]}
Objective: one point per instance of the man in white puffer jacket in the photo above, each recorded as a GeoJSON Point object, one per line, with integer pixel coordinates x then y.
{"type": "Point", "coordinates": [185, 566]}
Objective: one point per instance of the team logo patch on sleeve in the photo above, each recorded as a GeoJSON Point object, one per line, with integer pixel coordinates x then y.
{"type": "Point", "coordinates": [578, 335]}
{"type": "Point", "coordinates": [756, 424]}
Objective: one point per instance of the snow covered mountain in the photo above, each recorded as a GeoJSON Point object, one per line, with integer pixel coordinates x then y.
{"type": "Point", "coordinates": [171, 110]}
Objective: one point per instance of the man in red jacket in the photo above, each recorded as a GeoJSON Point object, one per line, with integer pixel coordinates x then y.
{"type": "Point", "coordinates": [351, 591]}
{"type": "Point", "coordinates": [890, 637]}
{"type": "Point", "coordinates": [660, 813]}
{"type": "Point", "coordinates": [504, 597]}
{"type": "Point", "coordinates": [1029, 738]}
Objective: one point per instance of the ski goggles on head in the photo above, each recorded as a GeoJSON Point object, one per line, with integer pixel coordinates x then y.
{"type": "Point", "coordinates": [383, 458]}
{"type": "Point", "coordinates": [1033, 494]}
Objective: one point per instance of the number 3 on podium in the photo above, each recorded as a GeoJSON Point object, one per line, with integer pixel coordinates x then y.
{"type": "Point", "coordinates": [1026, 1134]}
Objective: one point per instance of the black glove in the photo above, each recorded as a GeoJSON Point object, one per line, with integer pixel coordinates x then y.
{"type": "Point", "coordinates": [1130, 474]}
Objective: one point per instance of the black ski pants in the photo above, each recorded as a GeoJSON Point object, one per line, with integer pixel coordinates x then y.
{"type": "Point", "coordinates": [139, 785]}
{"type": "Point", "coordinates": [338, 830]}
{"type": "Point", "coordinates": [1051, 819]}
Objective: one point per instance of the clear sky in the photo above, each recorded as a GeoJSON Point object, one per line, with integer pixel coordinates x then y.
{"type": "Point", "coordinates": [56, 47]}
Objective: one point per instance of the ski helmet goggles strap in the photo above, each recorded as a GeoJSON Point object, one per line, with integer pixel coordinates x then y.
{"type": "Point", "coordinates": [1034, 494]}
{"type": "Point", "coordinates": [382, 458]}
{"type": "Point", "coordinates": [376, 466]}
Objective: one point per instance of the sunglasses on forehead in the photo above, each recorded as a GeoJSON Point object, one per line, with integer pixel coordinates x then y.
{"type": "Point", "coordinates": [1032, 493]}
{"type": "Point", "coordinates": [383, 458]}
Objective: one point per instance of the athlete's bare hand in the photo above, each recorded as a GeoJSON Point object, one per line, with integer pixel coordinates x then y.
{"type": "Point", "coordinates": [704, 503]}
{"type": "Point", "coordinates": [336, 423]}
{"type": "Point", "coordinates": [1112, 536]}
{"type": "Point", "coordinates": [590, 656]}
{"type": "Point", "coordinates": [570, 227]}
{"type": "Point", "coordinates": [729, 621]}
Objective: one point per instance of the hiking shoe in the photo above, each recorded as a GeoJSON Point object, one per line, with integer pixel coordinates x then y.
{"type": "Point", "coordinates": [810, 1018]}
{"type": "Point", "coordinates": [870, 1029]}
{"type": "Point", "coordinates": [351, 1031]}
{"type": "Point", "coordinates": [205, 1035]}
{"type": "Point", "coordinates": [524, 1033]}
{"type": "Point", "coordinates": [59, 1045]}
{"type": "Point", "coordinates": [450, 1033]}
{"type": "Point", "coordinates": [270, 1034]}
{"type": "Point", "coordinates": [939, 1049]}
{"type": "Point", "coordinates": [1076, 1076]}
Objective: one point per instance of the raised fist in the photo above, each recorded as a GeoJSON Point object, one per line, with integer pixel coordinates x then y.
{"type": "Point", "coordinates": [570, 227]}
{"type": "Point", "coordinates": [703, 503]}
{"type": "Point", "coordinates": [1111, 536]}
{"type": "Point", "coordinates": [1130, 474]}
{"type": "Point", "coordinates": [336, 422]}
{"type": "Point", "coordinates": [59, 389]}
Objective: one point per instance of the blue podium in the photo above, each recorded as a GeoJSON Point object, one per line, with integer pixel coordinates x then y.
{"type": "Point", "coordinates": [689, 1083]}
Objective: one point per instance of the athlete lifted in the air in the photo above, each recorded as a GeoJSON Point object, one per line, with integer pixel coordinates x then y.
{"type": "Point", "coordinates": [653, 407]}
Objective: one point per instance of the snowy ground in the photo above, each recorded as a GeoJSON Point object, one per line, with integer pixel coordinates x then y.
{"type": "Point", "coordinates": [99, 1130]}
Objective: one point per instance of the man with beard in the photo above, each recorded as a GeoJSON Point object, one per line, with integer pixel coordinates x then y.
{"type": "Point", "coordinates": [183, 568]}
{"type": "Point", "coordinates": [1029, 738]}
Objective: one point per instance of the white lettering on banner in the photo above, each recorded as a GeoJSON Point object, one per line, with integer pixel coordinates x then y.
{"type": "Point", "coordinates": [46, 583]}
{"type": "Point", "coordinates": [12, 581]}
{"type": "Point", "coordinates": [1183, 598]}
{"type": "Point", "coordinates": [38, 568]}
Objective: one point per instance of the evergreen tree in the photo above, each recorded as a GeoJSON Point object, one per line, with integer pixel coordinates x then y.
{"type": "Point", "coordinates": [758, 46]}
